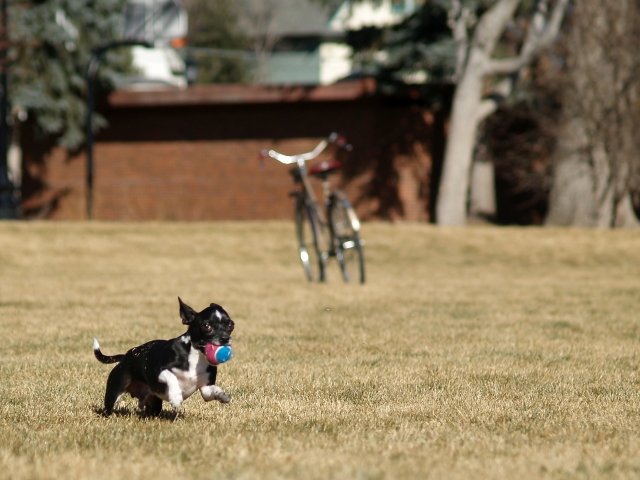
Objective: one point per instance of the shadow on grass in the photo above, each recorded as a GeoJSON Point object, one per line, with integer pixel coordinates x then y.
{"type": "Point", "coordinates": [165, 415]}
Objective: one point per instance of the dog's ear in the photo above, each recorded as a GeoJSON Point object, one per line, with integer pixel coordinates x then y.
{"type": "Point", "coordinates": [187, 313]}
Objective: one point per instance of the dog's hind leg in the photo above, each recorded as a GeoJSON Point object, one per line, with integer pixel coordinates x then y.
{"type": "Point", "coordinates": [140, 391]}
{"type": "Point", "coordinates": [117, 383]}
{"type": "Point", "coordinates": [153, 405]}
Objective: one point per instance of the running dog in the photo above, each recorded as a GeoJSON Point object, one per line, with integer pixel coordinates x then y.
{"type": "Point", "coordinates": [170, 370]}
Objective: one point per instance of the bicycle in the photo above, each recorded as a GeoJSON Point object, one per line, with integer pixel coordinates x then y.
{"type": "Point", "coordinates": [324, 233]}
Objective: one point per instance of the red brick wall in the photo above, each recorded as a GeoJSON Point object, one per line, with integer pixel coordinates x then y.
{"type": "Point", "coordinates": [200, 180]}
{"type": "Point", "coordinates": [201, 162]}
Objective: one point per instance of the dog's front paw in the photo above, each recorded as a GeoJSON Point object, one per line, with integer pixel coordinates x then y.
{"type": "Point", "coordinates": [224, 397]}
{"type": "Point", "coordinates": [174, 392]}
{"type": "Point", "coordinates": [175, 400]}
{"type": "Point", "coordinates": [213, 392]}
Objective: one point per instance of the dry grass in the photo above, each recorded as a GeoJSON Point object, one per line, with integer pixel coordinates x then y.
{"type": "Point", "coordinates": [476, 353]}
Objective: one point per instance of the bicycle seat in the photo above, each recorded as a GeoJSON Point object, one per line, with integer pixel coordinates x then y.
{"type": "Point", "coordinates": [325, 168]}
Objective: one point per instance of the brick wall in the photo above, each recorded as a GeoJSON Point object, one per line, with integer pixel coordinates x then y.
{"type": "Point", "coordinates": [195, 156]}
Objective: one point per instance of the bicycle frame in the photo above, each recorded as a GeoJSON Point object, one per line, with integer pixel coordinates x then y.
{"type": "Point", "coordinates": [300, 160]}
{"type": "Point", "coordinates": [334, 224]}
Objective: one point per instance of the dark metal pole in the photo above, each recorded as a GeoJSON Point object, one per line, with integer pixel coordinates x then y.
{"type": "Point", "coordinates": [4, 131]}
{"type": "Point", "coordinates": [8, 200]}
{"type": "Point", "coordinates": [91, 72]}
{"type": "Point", "coordinates": [92, 69]}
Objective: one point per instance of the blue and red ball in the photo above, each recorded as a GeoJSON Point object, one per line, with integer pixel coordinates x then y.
{"type": "Point", "coordinates": [217, 354]}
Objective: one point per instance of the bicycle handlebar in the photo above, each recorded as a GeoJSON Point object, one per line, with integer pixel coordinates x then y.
{"type": "Point", "coordinates": [303, 157]}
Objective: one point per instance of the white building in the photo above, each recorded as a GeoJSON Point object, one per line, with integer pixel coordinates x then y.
{"type": "Point", "coordinates": [336, 58]}
{"type": "Point", "coordinates": [310, 43]}
{"type": "Point", "coordinates": [304, 41]}
{"type": "Point", "coordinates": [161, 23]}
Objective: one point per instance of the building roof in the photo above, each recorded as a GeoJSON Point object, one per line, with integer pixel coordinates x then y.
{"type": "Point", "coordinates": [284, 17]}
{"type": "Point", "coordinates": [237, 94]}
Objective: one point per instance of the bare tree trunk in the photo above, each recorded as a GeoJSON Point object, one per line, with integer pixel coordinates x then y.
{"type": "Point", "coordinates": [597, 159]}
{"type": "Point", "coordinates": [468, 107]}
{"type": "Point", "coordinates": [451, 208]}
{"type": "Point", "coordinates": [259, 17]}
{"type": "Point", "coordinates": [482, 197]}
{"type": "Point", "coordinates": [573, 180]}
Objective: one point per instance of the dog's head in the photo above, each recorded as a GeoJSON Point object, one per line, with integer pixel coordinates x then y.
{"type": "Point", "coordinates": [211, 325]}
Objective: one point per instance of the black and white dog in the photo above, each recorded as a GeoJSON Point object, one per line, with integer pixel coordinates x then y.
{"type": "Point", "coordinates": [170, 370]}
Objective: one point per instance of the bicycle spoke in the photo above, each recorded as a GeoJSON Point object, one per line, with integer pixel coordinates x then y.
{"type": "Point", "coordinates": [307, 230]}
{"type": "Point", "coordinates": [348, 246]}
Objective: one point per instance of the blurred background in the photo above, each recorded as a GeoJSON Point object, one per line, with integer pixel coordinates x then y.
{"type": "Point", "coordinates": [503, 111]}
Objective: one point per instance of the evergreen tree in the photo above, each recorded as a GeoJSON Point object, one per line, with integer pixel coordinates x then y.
{"type": "Point", "coordinates": [418, 51]}
{"type": "Point", "coordinates": [50, 49]}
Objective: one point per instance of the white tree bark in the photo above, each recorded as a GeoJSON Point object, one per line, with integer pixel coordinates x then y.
{"type": "Point", "coordinates": [468, 109]}
{"type": "Point", "coordinates": [482, 201]}
{"type": "Point", "coordinates": [451, 207]}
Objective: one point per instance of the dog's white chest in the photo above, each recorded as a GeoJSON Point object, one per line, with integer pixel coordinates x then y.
{"type": "Point", "coordinates": [195, 376]}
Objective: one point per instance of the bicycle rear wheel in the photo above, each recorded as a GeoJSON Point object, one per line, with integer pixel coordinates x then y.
{"type": "Point", "coordinates": [345, 227]}
{"type": "Point", "coordinates": [307, 229]}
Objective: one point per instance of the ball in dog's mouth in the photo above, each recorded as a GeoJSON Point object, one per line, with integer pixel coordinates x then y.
{"type": "Point", "coordinates": [217, 354]}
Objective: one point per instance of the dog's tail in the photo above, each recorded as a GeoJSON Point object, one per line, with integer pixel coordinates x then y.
{"type": "Point", "coordinates": [105, 358]}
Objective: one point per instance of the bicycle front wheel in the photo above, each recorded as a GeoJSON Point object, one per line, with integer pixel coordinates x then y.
{"type": "Point", "coordinates": [307, 229]}
{"type": "Point", "coordinates": [345, 227]}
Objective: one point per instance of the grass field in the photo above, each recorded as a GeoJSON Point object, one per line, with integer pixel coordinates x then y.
{"type": "Point", "coordinates": [470, 353]}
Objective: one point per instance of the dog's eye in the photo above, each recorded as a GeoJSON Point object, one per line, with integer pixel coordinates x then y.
{"type": "Point", "coordinates": [206, 327]}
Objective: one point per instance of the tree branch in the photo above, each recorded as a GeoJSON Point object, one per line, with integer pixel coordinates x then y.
{"type": "Point", "coordinates": [459, 20]}
{"type": "Point", "coordinates": [539, 37]}
{"type": "Point", "coordinates": [490, 104]}
{"type": "Point", "coordinates": [492, 24]}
